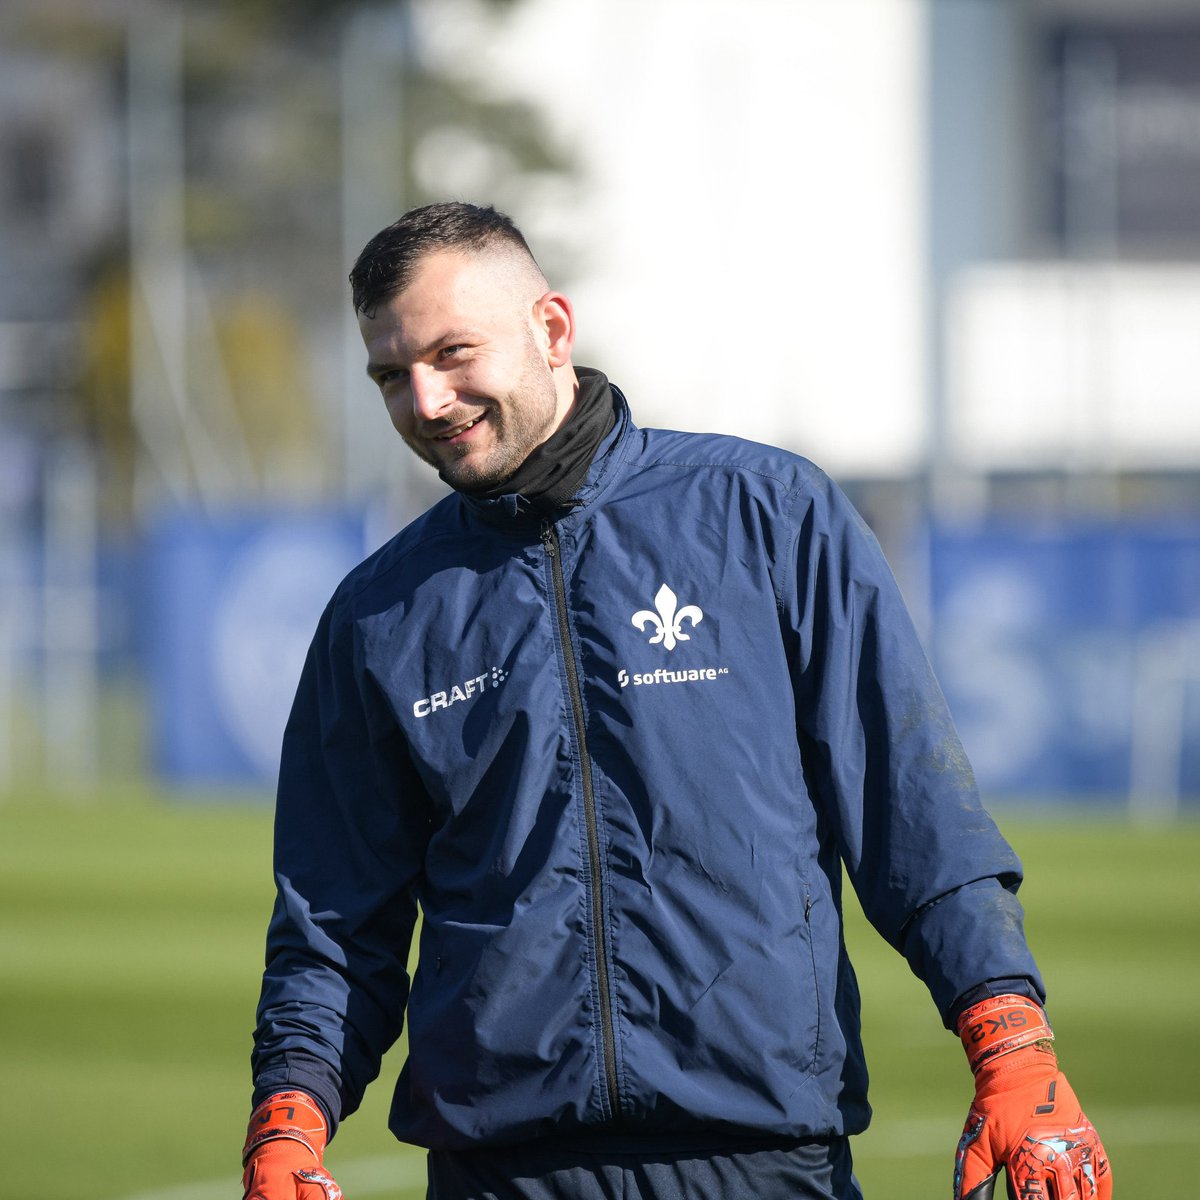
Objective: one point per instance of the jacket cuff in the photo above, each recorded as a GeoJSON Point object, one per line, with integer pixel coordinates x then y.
{"type": "Point", "coordinates": [973, 934]}
{"type": "Point", "coordinates": [305, 1073]}
{"type": "Point", "coordinates": [1016, 985]}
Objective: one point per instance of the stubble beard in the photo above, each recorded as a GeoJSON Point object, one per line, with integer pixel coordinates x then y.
{"type": "Point", "coordinates": [520, 421]}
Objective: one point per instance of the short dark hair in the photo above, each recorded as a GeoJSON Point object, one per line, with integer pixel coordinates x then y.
{"type": "Point", "coordinates": [388, 261]}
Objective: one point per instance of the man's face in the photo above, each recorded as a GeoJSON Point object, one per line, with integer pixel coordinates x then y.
{"type": "Point", "coordinates": [462, 359]}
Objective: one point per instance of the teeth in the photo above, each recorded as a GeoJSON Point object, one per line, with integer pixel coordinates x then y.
{"type": "Point", "coordinates": [460, 429]}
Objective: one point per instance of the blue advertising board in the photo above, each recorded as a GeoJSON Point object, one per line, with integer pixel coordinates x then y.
{"type": "Point", "coordinates": [1056, 646]}
{"type": "Point", "coordinates": [230, 607]}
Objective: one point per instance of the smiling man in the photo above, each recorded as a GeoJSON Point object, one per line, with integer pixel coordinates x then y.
{"type": "Point", "coordinates": [473, 358]}
{"type": "Point", "coordinates": [469, 346]}
{"type": "Point", "coordinates": [632, 979]}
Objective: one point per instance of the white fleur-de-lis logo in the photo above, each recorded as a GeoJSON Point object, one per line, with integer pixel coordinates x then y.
{"type": "Point", "coordinates": [668, 619]}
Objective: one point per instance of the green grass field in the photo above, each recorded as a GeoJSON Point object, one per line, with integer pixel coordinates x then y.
{"type": "Point", "coordinates": [131, 935]}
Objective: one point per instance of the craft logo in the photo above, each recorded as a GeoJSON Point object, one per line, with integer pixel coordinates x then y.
{"type": "Point", "coordinates": [465, 690]}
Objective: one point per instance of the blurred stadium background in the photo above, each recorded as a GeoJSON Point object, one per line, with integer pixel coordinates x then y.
{"type": "Point", "coordinates": [949, 249]}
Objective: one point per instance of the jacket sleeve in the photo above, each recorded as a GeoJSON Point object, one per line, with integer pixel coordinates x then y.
{"type": "Point", "coordinates": [885, 767]}
{"type": "Point", "coordinates": [351, 824]}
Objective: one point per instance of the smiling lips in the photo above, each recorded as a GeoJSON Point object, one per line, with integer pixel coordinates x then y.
{"type": "Point", "coordinates": [450, 434]}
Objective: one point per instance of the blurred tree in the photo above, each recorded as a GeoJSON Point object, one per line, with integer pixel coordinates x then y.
{"type": "Point", "coordinates": [279, 180]}
{"type": "Point", "coordinates": [272, 395]}
{"type": "Point", "coordinates": [105, 385]}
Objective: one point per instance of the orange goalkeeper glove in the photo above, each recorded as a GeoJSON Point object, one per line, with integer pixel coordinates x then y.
{"type": "Point", "coordinates": [282, 1156]}
{"type": "Point", "coordinates": [1025, 1117]}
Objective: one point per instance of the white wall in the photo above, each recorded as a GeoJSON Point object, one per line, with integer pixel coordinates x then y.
{"type": "Point", "coordinates": [1087, 366]}
{"type": "Point", "coordinates": [752, 209]}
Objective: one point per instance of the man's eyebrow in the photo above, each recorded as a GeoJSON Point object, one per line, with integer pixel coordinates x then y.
{"type": "Point", "coordinates": [376, 366]}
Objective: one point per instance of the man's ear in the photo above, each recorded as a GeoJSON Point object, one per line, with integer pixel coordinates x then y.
{"type": "Point", "coordinates": [554, 319]}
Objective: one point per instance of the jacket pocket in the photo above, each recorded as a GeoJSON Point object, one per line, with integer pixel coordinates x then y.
{"type": "Point", "coordinates": [813, 1028]}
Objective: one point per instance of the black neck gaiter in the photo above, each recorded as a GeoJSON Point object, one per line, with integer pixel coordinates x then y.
{"type": "Point", "coordinates": [554, 471]}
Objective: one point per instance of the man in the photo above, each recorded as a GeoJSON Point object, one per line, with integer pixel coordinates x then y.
{"type": "Point", "coordinates": [614, 714]}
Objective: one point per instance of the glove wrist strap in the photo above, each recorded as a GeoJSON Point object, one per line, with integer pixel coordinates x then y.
{"type": "Point", "coordinates": [1000, 1025]}
{"type": "Point", "coordinates": [291, 1115]}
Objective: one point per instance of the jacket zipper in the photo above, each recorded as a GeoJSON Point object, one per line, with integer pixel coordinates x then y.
{"type": "Point", "coordinates": [599, 926]}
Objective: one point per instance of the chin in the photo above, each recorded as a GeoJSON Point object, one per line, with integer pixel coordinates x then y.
{"type": "Point", "coordinates": [469, 479]}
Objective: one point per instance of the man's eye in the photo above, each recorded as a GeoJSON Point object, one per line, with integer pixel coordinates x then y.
{"type": "Point", "coordinates": [384, 378]}
{"type": "Point", "coordinates": [446, 353]}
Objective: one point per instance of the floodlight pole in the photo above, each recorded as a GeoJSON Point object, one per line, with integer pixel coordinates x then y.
{"type": "Point", "coordinates": [373, 52]}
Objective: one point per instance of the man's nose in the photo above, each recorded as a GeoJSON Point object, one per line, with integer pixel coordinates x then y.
{"type": "Point", "coordinates": [431, 393]}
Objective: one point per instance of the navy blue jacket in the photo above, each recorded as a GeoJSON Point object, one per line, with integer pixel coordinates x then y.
{"type": "Point", "coordinates": [619, 761]}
